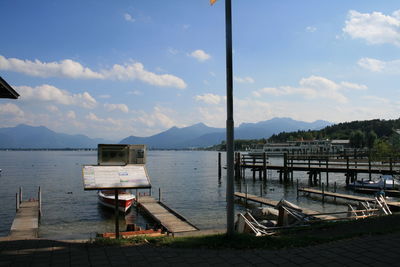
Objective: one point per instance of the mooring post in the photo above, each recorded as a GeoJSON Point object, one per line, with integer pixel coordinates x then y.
{"type": "Point", "coordinates": [334, 189]}
{"type": "Point", "coordinates": [40, 201]}
{"type": "Point", "coordinates": [159, 194]}
{"type": "Point", "coordinates": [323, 193]}
{"type": "Point", "coordinates": [20, 194]}
{"type": "Point", "coordinates": [246, 195]}
{"type": "Point", "coordinates": [219, 165]}
{"type": "Point", "coordinates": [16, 202]}
{"type": "Point", "coordinates": [285, 174]}
{"type": "Point", "coordinates": [369, 167]}
{"type": "Point", "coordinates": [116, 214]}
{"type": "Point", "coordinates": [254, 167]}
{"type": "Point", "coordinates": [265, 165]}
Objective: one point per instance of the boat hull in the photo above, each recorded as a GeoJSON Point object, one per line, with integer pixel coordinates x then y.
{"type": "Point", "coordinates": [125, 200]}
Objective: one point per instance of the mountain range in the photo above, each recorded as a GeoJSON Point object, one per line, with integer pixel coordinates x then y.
{"type": "Point", "coordinates": [198, 135]}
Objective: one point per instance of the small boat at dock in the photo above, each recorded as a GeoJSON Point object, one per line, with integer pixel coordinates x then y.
{"type": "Point", "coordinates": [125, 199]}
{"type": "Point", "coordinates": [383, 182]}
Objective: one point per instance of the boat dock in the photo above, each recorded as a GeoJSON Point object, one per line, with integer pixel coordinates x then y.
{"type": "Point", "coordinates": [323, 193]}
{"type": "Point", "coordinates": [27, 218]}
{"type": "Point", "coordinates": [169, 219]}
{"type": "Point", "coordinates": [273, 203]}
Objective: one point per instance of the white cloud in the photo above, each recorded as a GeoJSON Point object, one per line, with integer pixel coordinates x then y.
{"type": "Point", "coordinates": [128, 17]}
{"type": "Point", "coordinates": [71, 69]}
{"type": "Point", "coordinates": [135, 92]}
{"type": "Point", "coordinates": [104, 96]}
{"type": "Point", "coordinates": [376, 65]}
{"type": "Point", "coordinates": [354, 86]}
{"type": "Point", "coordinates": [158, 117]}
{"type": "Point", "coordinates": [136, 70]}
{"type": "Point", "coordinates": [121, 107]}
{"type": "Point", "coordinates": [377, 99]}
{"type": "Point", "coordinates": [243, 79]}
{"type": "Point", "coordinates": [375, 27]}
{"type": "Point", "coordinates": [71, 115]}
{"type": "Point", "coordinates": [313, 87]}
{"type": "Point", "coordinates": [200, 55]}
{"type": "Point", "coordinates": [64, 68]}
{"type": "Point", "coordinates": [52, 108]}
{"type": "Point", "coordinates": [210, 98]}
{"type": "Point", "coordinates": [173, 51]}
{"type": "Point", "coordinates": [311, 29]}
{"type": "Point", "coordinates": [50, 93]}
{"type": "Point", "coordinates": [11, 109]}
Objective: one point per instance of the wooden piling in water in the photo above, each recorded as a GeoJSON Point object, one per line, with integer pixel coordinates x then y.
{"type": "Point", "coordinates": [219, 165]}
{"type": "Point", "coordinates": [265, 165]}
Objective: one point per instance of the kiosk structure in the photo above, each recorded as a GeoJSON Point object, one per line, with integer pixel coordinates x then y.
{"type": "Point", "coordinates": [119, 167]}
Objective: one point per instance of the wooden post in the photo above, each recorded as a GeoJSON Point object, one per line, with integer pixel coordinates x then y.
{"type": "Point", "coordinates": [391, 165]}
{"type": "Point", "coordinates": [297, 187]}
{"type": "Point", "coordinates": [261, 191]}
{"type": "Point", "coordinates": [239, 166]}
{"type": "Point", "coordinates": [40, 202]}
{"type": "Point", "coordinates": [285, 174]}
{"type": "Point", "coordinates": [159, 194]}
{"type": "Point", "coordinates": [246, 195]}
{"type": "Point", "coordinates": [116, 214]}
{"type": "Point", "coordinates": [20, 194]}
{"type": "Point", "coordinates": [327, 171]}
{"type": "Point", "coordinates": [16, 202]}
{"type": "Point", "coordinates": [219, 165]}
{"type": "Point", "coordinates": [369, 168]}
{"type": "Point", "coordinates": [323, 193]}
{"type": "Point", "coordinates": [254, 169]}
{"type": "Point", "coordinates": [265, 166]}
{"type": "Point", "coordinates": [334, 189]}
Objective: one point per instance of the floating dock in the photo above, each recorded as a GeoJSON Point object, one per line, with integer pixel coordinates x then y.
{"type": "Point", "coordinates": [169, 219]}
{"type": "Point", "coordinates": [26, 221]}
{"type": "Point", "coordinates": [391, 204]}
{"type": "Point", "coordinates": [273, 203]}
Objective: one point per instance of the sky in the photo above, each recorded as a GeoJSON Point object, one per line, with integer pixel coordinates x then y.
{"type": "Point", "coordinates": [112, 69]}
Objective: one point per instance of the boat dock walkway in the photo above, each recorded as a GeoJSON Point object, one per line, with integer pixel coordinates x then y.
{"type": "Point", "coordinates": [391, 204]}
{"type": "Point", "coordinates": [172, 221]}
{"type": "Point", "coordinates": [273, 203]}
{"type": "Point", "coordinates": [27, 218]}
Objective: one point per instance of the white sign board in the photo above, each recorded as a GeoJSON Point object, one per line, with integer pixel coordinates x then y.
{"type": "Point", "coordinates": [113, 177]}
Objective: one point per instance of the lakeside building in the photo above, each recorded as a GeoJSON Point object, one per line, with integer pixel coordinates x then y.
{"type": "Point", "coordinates": [304, 147]}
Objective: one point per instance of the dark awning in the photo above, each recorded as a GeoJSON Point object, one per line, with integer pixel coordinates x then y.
{"type": "Point", "coordinates": [6, 91]}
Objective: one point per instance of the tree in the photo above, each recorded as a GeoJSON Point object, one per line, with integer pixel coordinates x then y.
{"type": "Point", "coordinates": [357, 139]}
{"type": "Point", "coordinates": [371, 138]}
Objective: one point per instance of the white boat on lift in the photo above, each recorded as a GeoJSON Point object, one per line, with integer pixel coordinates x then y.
{"type": "Point", "coordinates": [125, 199]}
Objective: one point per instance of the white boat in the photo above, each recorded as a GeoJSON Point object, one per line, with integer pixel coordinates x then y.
{"type": "Point", "coordinates": [125, 199]}
{"type": "Point", "coordinates": [384, 182]}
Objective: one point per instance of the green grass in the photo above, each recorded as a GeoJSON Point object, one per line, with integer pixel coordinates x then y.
{"type": "Point", "coordinates": [300, 237]}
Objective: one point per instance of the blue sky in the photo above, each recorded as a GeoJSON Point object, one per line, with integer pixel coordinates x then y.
{"type": "Point", "coordinates": [117, 68]}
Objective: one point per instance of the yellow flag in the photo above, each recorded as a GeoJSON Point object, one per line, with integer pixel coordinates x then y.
{"type": "Point", "coordinates": [212, 2]}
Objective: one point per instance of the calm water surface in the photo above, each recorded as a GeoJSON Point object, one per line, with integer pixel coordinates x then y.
{"type": "Point", "coordinates": [188, 181]}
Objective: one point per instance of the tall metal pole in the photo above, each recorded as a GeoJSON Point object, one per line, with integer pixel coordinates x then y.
{"type": "Point", "coordinates": [229, 120]}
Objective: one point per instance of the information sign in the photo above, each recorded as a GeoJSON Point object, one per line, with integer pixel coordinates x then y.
{"type": "Point", "coordinates": [96, 177]}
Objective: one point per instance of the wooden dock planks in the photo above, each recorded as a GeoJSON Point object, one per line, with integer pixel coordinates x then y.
{"type": "Point", "coordinates": [273, 203]}
{"type": "Point", "coordinates": [169, 219]}
{"type": "Point", "coordinates": [26, 221]}
{"type": "Point", "coordinates": [345, 196]}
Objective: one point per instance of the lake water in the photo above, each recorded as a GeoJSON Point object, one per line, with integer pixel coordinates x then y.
{"type": "Point", "coordinates": [188, 181]}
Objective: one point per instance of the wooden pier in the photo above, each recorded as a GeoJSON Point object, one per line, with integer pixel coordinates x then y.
{"type": "Point", "coordinates": [169, 219]}
{"type": "Point", "coordinates": [27, 218]}
{"type": "Point", "coordinates": [273, 203]}
{"type": "Point", "coordinates": [392, 204]}
{"type": "Point", "coordinates": [313, 165]}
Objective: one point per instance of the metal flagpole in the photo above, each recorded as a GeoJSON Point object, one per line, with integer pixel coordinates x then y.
{"type": "Point", "coordinates": [229, 120]}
